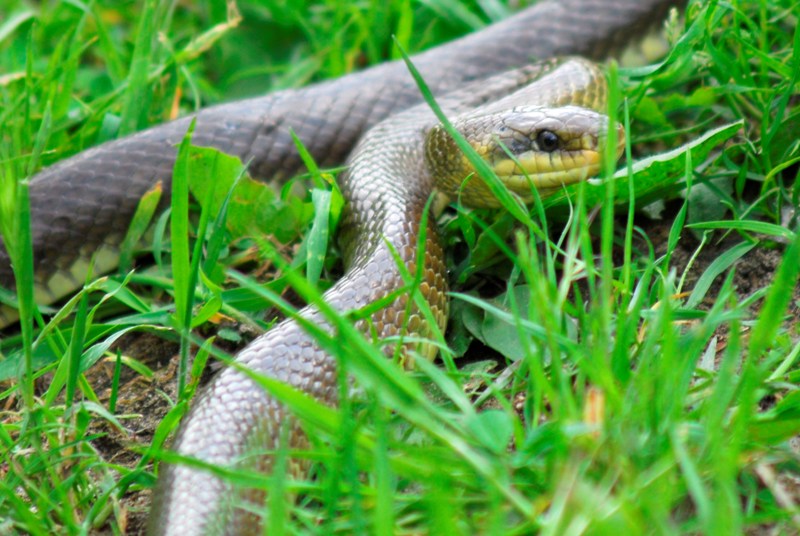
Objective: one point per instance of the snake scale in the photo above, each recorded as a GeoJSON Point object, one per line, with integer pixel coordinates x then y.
{"type": "Point", "coordinates": [85, 203]}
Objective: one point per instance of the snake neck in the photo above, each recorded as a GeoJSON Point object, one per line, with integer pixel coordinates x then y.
{"type": "Point", "coordinates": [386, 187]}
{"type": "Point", "coordinates": [384, 233]}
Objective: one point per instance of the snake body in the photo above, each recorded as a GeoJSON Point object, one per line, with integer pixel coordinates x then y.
{"type": "Point", "coordinates": [85, 203]}
{"type": "Point", "coordinates": [387, 184]}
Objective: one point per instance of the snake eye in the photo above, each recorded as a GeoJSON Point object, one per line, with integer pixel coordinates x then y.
{"type": "Point", "coordinates": [547, 140]}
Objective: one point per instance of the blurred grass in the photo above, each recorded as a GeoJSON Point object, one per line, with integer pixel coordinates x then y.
{"type": "Point", "coordinates": [630, 404]}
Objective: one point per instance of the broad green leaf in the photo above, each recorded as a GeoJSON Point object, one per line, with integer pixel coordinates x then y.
{"type": "Point", "coordinates": [704, 200]}
{"type": "Point", "coordinates": [502, 335]}
{"type": "Point", "coordinates": [254, 207]}
{"type": "Point", "coordinates": [652, 178]}
{"type": "Point", "coordinates": [493, 428]}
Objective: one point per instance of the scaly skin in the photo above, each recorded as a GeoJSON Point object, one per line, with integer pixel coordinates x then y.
{"type": "Point", "coordinates": [87, 201]}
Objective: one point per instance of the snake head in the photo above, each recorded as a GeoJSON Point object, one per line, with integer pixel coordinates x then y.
{"type": "Point", "coordinates": [528, 147]}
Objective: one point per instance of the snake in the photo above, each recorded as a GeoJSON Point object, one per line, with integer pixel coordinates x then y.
{"type": "Point", "coordinates": [550, 121]}
{"type": "Point", "coordinates": [529, 120]}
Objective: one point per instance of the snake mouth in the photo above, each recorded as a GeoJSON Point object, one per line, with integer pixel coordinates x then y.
{"type": "Point", "coordinates": [531, 173]}
{"type": "Point", "coordinates": [549, 171]}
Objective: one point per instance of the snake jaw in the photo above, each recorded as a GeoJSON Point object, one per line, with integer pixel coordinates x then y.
{"type": "Point", "coordinates": [581, 158]}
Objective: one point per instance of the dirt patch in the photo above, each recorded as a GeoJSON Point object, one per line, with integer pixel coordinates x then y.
{"type": "Point", "coordinates": [142, 402]}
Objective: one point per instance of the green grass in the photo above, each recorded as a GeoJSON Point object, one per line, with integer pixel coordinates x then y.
{"type": "Point", "coordinates": [648, 370]}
